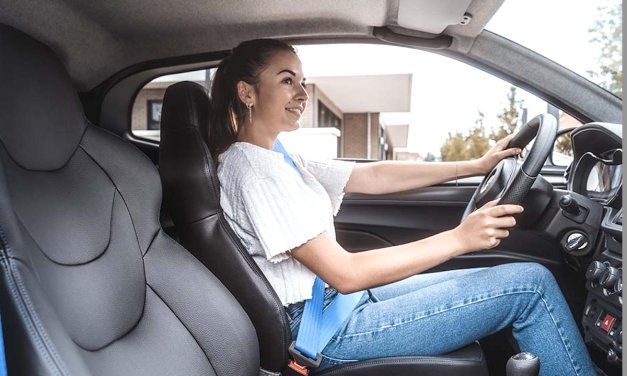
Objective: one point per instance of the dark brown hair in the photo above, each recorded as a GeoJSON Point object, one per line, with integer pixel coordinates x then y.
{"type": "Point", "coordinates": [245, 63]}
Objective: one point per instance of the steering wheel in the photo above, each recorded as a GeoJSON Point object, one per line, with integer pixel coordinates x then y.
{"type": "Point", "coordinates": [510, 181]}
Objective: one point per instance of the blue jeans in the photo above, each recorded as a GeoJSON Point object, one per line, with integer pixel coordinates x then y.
{"type": "Point", "coordinates": [436, 313]}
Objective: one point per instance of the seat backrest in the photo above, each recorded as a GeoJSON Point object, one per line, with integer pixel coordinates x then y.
{"type": "Point", "coordinates": [90, 284]}
{"type": "Point", "coordinates": [191, 193]}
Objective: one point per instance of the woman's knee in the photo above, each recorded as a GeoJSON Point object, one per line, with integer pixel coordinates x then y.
{"type": "Point", "coordinates": [536, 269]}
{"type": "Point", "coordinates": [531, 272]}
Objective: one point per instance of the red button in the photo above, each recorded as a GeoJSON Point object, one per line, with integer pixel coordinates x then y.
{"type": "Point", "coordinates": [608, 321]}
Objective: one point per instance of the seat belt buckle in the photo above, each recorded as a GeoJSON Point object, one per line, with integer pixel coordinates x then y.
{"type": "Point", "coordinates": [300, 362]}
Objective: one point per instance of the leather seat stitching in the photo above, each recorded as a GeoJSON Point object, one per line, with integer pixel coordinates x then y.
{"type": "Point", "coordinates": [121, 196]}
{"type": "Point", "coordinates": [80, 263]}
{"type": "Point", "coordinates": [160, 230]}
{"type": "Point", "coordinates": [124, 334]}
{"type": "Point", "coordinates": [29, 324]}
{"type": "Point", "coordinates": [182, 323]}
{"type": "Point", "coordinates": [56, 169]}
{"type": "Point", "coordinates": [30, 311]}
{"type": "Point", "coordinates": [201, 219]}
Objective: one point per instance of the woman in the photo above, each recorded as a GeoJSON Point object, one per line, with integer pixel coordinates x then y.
{"type": "Point", "coordinates": [286, 222]}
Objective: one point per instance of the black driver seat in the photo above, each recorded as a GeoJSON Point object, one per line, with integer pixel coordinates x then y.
{"type": "Point", "coordinates": [90, 284]}
{"type": "Point", "coordinates": [192, 197]}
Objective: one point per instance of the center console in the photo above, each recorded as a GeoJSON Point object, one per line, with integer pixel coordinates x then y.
{"type": "Point", "coordinates": [602, 318]}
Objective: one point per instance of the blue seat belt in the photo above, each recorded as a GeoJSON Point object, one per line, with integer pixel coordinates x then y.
{"type": "Point", "coordinates": [316, 327]}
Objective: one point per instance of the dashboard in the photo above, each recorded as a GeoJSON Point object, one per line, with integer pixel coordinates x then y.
{"type": "Point", "coordinates": [596, 176]}
{"type": "Point", "coordinates": [598, 154]}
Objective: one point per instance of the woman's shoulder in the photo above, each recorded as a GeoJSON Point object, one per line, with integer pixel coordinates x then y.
{"type": "Point", "coordinates": [242, 164]}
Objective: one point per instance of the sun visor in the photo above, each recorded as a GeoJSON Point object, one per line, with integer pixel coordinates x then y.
{"type": "Point", "coordinates": [432, 16]}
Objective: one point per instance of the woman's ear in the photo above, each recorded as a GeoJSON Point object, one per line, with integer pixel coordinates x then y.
{"type": "Point", "coordinates": [245, 92]}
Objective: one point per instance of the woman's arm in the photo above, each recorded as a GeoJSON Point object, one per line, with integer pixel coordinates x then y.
{"type": "Point", "coordinates": [395, 176]}
{"type": "Point", "coordinates": [350, 272]}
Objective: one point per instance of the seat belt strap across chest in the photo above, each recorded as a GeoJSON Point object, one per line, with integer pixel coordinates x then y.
{"type": "Point", "coordinates": [317, 328]}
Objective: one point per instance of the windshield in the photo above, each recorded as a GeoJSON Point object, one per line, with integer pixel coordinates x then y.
{"type": "Point", "coordinates": [583, 36]}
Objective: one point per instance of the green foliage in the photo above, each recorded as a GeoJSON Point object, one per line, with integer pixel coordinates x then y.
{"type": "Point", "coordinates": [477, 140]}
{"type": "Point", "coordinates": [509, 117]}
{"type": "Point", "coordinates": [429, 157]}
{"type": "Point", "coordinates": [454, 148]}
{"type": "Point", "coordinates": [608, 32]}
{"type": "Point", "coordinates": [564, 145]}
{"type": "Point", "coordinates": [460, 147]}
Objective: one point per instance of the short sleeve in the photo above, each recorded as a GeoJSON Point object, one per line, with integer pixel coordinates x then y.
{"type": "Point", "coordinates": [282, 214]}
{"type": "Point", "coordinates": [333, 175]}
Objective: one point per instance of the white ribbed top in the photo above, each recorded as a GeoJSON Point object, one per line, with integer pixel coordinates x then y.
{"type": "Point", "coordinates": [272, 210]}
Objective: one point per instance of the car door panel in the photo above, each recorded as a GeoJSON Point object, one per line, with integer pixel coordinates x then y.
{"type": "Point", "coordinates": [377, 221]}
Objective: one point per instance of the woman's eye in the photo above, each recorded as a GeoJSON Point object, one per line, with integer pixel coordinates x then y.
{"type": "Point", "coordinates": [287, 81]}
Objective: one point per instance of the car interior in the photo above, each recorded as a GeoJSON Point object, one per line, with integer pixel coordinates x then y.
{"type": "Point", "coordinates": [117, 258]}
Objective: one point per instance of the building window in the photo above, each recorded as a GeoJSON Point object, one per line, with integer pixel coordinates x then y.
{"type": "Point", "coordinates": [154, 114]}
{"type": "Point", "coordinates": [326, 118]}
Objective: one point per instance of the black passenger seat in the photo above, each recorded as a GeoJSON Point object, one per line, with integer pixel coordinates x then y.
{"type": "Point", "coordinates": [90, 283]}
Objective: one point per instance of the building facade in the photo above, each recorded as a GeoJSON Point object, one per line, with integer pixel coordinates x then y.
{"type": "Point", "coordinates": [342, 119]}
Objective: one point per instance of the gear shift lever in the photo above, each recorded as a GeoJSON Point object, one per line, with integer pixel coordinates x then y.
{"type": "Point", "coordinates": [523, 364]}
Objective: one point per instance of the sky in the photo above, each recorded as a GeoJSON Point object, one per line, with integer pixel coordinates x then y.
{"type": "Point", "coordinates": [447, 94]}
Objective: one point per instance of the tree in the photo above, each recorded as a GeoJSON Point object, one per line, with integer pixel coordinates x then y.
{"type": "Point", "coordinates": [510, 116]}
{"type": "Point", "coordinates": [608, 32]}
{"type": "Point", "coordinates": [477, 140]}
{"type": "Point", "coordinates": [429, 157]}
{"type": "Point", "coordinates": [454, 148]}
{"type": "Point", "coordinates": [460, 147]}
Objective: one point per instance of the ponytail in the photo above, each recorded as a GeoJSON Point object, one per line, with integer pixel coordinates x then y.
{"type": "Point", "coordinates": [223, 129]}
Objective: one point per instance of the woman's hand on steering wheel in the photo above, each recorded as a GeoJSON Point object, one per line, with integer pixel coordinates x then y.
{"type": "Point", "coordinates": [497, 153]}
{"type": "Point", "coordinates": [485, 227]}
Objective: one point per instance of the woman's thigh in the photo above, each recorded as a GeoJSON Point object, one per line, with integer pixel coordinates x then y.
{"type": "Point", "coordinates": [437, 318]}
{"type": "Point", "coordinates": [417, 282]}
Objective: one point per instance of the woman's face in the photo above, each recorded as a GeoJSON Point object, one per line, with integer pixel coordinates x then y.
{"type": "Point", "coordinates": [281, 98]}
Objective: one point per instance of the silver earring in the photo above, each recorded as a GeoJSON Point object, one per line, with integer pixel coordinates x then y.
{"type": "Point", "coordinates": [249, 106]}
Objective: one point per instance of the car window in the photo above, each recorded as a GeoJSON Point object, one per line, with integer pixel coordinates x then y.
{"type": "Point", "coordinates": [386, 102]}
{"type": "Point", "coordinates": [146, 115]}
{"type": "Point", "coordinates": [582, 35]}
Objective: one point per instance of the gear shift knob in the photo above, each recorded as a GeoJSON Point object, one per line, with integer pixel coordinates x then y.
{"type": "Point", "coordinates": [523, 364]}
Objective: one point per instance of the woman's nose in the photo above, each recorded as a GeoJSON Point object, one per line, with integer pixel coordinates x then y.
{"type": "Point", "coordinates": [302, 94]}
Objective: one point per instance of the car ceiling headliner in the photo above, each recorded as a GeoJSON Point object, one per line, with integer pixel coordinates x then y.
{"type": "Point", "coordinates": [96, 39]}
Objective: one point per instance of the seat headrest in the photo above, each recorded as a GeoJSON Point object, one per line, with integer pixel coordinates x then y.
{"type": "Point", "coordinates": [42, 119]}
{"type": "Point", "coordinates": [186, 104]}
{"type": "Point", "coordinates": [185, 163]}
